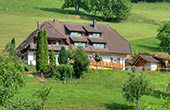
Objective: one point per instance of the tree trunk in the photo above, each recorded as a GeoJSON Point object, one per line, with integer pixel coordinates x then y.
{"type": "Point", "coordinates": [43, 106]}
{"type": "Point", "coordinates": [76, 5]}
{"type": "Point", "coordinates": [41, 74]}
{"type": "Point", "coordinates": [137, 104]}
{"type": "Point", "coordinates": [65, 81]}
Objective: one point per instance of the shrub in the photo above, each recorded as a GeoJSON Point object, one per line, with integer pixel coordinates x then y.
{"type": "Point", "coordinates": [22, 104]}
{"type": "Point", "coordinates": [66, 71]}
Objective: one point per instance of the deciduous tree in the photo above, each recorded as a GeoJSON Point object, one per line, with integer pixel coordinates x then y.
{"type": "Point", "coordinates": [164, 36]}
{"type": "Point", "coordinates": [97, 57]}
{"type": "Point", "coordinates": [111, 9]}
{"type": "Point", "coordinates": [11, 77]}
{"type": "Point", "coordinates": [77, 4]}
{"type": "Point", "coordinates": [135, 88]}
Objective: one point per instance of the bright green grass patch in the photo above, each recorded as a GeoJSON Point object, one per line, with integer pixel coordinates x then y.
{"type": "Point", "coordinates": [31, 68]}
{"type": "Point", "coordinates": [98, 90]}
{"type": "Point", "coordinates": [145, 45]}
{"type": "Point", "coordinates": [154, 11]}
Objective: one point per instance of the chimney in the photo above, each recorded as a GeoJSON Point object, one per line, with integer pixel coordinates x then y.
{"type": "Point", "coordinates": [38, 24]}
{"type": "Point", "coordinates": [94, 24]}
{"type": "Point", "coordinates": [55, 20]}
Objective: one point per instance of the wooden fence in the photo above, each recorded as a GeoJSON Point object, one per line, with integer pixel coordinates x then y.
{"type": "Point", "coordinates": [105, 65]}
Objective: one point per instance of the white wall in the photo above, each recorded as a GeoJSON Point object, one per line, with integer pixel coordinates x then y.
{"type": "Point", "coordinates": [31, 58]}
{"type": "Point", "coordinates": [153, 66]}
{"type": "Point", "coordinates": [33, 62]}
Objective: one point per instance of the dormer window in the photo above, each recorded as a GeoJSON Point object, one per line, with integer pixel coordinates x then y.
{"type": "Point", "coordinates": [95, 35]}
{"type": "Point", "coordinates": [98, 46]}
{"type": "Point", "coordinates": [75, 34]}
{"type": "Point", "coordinates": [80, 44]}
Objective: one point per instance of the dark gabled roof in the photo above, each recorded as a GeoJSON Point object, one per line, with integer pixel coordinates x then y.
{"type": "Point", "coordinates": [163, 58]}
{"type": "Point", "coordinates": [115, 43]}
{"type": "Point", "coordinates": [97, 40]}
{"type": "Point", "coordinates": [27, 41]}
{"type": "Point", "coordinates": [78, 39]}
{"type": "Point", "coordinates": [77, 28]}
{"type": "Point", "coordinates": [90, 29]}
{"type": "Point", "coordinates": [147, 58]}
{"type": "Point", "coordinates": [51, 30]}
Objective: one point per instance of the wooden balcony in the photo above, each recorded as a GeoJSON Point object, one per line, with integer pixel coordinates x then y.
{"type": "Point", "coordinates": [104, 65]}
{"type": "Point", "coordinates": [50, 47]}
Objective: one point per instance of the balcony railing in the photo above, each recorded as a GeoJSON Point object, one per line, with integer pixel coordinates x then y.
{"type": "Point", "coordinates": [104, 64]}
{"type": "Point", "coordinates": [50, 47]}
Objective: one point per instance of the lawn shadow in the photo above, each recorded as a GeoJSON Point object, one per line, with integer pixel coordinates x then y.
{"type": "Point", "coordinates": [118, 106]}
{"type": "Point", "coordinates": [159, 94]}
{"type": "Point", "coordinates": [83, 15]}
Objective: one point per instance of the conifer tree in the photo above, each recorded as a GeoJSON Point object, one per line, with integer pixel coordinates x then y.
{"type": "Point", "coordinates": [52, 58]}
{"type": "Point", "coordinates": [70, 53]}
{"type": "Point", "coordinates": [45, 50]}
{"type": "Point", "coordinates": [40, 53]}
{"type": "Point", "coordinates": [63, 57]}
{"type": "Point", "coordinates": [81, 62]}
{"type": "Point", "coordinates": [10, 47]}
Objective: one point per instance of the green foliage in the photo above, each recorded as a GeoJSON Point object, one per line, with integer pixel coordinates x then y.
{"type": "Point", "coordinates": [66, 71]}
{"type": "Point", "coordinates": [77, 4]}
{"type": "Point", "coordinates": [12, 77]}
{"type": "Point", "coordinates": [135, 87]}
{"type": "Point", "coordinates": [22, 104]}
{"type": "Point", "coordinates": [40, 52]}
{"type": "Point", "coordinates": [70, 53]}
{"type": "Point", "coordinates": [97, 57]}
{"type": "Point", "coordinates": [164, 36]}
{"type": "Point", "coordinates": [166, 103]}
{"type": "Point", "coordinates": [112, 9]}
{"type": "Point", "coordinates": [52, 69]}
{"type": "Point", "coordinates": [168, 86]}
{"type": "Point", "coordinates": [45, 50]}
{"type": "Point", "coordinates": [52, 57]}
{"type": "Point", "coordinates": [81, 62]}
{"type": "Point", "coordinates": [10, 47]}
{"type": "Point", "coordinates": [63, 57]}
{"type": "Point", "coordinates": [43, 93]}
{"type": "Point", "coordinates": [147, 107]}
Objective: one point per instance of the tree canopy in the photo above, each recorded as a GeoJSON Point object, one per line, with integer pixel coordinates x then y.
{"type": "Point", "coordinates": [97, 57]}
{"type": "Point", "coordinates": [111, 9]}
{"type": "Point", "coordinates": [164, 36]}
{"type": "Point", "coordinates": [12, 77]}
{"type": "Point", "coordinates": [77, 4]}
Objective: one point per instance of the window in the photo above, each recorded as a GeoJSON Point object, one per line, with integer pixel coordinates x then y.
{"type": "Point", "coordinates": [57, 43]}
{"type": "Point", "coordinates": [75, 34]}
{"type": "Point", "coordinates": [80, 44]}
{"type": "Point", "coordinates": [72, 34]}
{"type": "Point", "coordinates": [90, 35]}
{"type": "Point", "coordinates": [98, 45]}
{"type": "Point", "coordinates": [115, 60]}
{"type": "Point", "coordinates": [102, 46]}
{"type": "Point", "coordinates": [79, 34]}
{"type": "Point", "coordinates": [94, 35]}
{"type": "Point", "coordinates": [98, 35]}
{"type": "Point", "coordinates": [94, 45]}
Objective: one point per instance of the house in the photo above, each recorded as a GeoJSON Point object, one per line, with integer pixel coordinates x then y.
{"type": "Point", "coordinates": [93, 37]}
{"type": "Point", "coordinates": [151, 63]}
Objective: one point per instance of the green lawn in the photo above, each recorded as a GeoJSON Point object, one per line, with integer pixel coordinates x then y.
{"type": "Point", "coordinates": [98, 90]}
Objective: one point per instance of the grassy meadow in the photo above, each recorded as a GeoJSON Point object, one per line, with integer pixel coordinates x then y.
{"type": "Point", "coordinates": [97, 90]}
{"type": "Point", "coordinates": [18, 19]}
